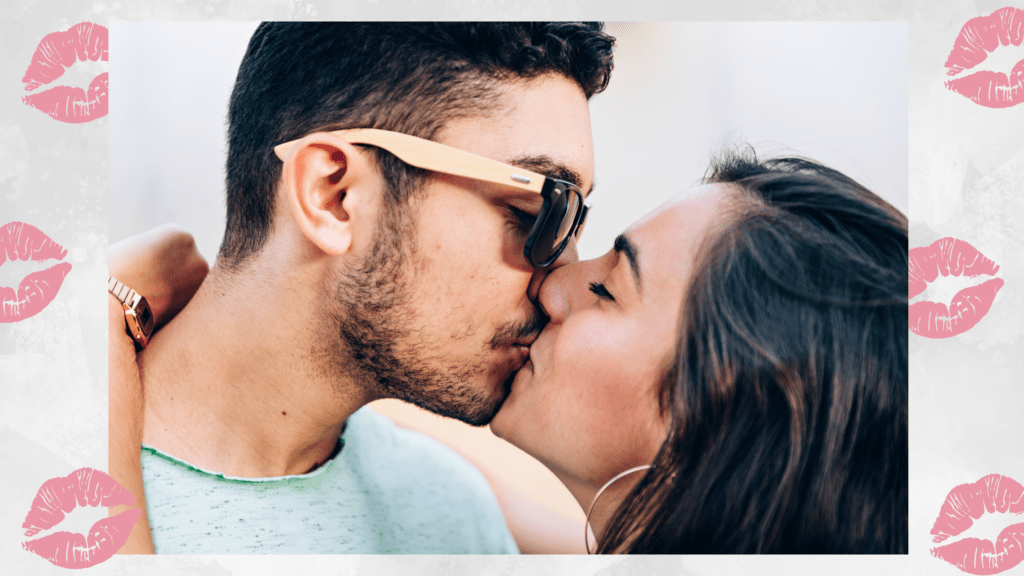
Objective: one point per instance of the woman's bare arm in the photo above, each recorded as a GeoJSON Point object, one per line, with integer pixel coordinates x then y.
{"type": "Point", "coordinates": [164, 266]}
{"type": "Point", "coordinates": [125, 427]}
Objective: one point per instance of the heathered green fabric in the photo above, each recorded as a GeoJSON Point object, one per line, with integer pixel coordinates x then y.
{"type": "Point", "coordinates": [389, 491]}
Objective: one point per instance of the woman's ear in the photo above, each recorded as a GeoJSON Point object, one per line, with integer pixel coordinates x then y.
{"type": "Point", "coordinates": [329, 187]}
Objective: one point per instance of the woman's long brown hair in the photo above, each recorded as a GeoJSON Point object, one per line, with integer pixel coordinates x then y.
{"type": "Point", "coordinates": [788, 391]}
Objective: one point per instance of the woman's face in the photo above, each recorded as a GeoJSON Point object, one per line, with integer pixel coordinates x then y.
{"type": "Point", "coordinates": [586, 404]}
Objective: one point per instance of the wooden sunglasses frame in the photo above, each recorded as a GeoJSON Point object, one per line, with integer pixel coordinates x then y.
{"type": "Point", "coordinates": [430, 155]}
{"type": "Point", "coordinates": [436, 157]}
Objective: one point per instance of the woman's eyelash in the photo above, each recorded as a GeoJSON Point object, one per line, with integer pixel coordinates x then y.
{"type": "Point", "coordinates": [601, 291]}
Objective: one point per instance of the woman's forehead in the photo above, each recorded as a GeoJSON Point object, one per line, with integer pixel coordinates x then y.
{"type": "Point", "coordinates": [668, 238]}
{"type": "Point", "coordinates": [688, 212]}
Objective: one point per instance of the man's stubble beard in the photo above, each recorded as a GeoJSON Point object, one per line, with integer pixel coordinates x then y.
{"type": "Point", "coordinates": [373, 315]}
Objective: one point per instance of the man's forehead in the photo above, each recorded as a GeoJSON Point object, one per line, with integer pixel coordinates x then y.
{"type": "Point", "coordinates": [542, 125]}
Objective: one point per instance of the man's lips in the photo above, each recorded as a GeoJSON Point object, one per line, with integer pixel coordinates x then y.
{"type": "Point", "coordinates": [20, 241]}
{"type": "Point", "coordinates": [977, 38]}
{"type": "Point", "coordinates": [60, 50]}
{"type": "Point", "coordinates": [993, 493]}
{"type": "Point", "coordinates": [518, 338]}
{"type": "Point", "coordinates": [58, 496]}
{"type": "Point", "coordinates": [950, 256]}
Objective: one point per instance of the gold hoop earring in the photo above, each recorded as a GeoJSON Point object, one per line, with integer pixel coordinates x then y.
{"type": "Point", "coordinates": [586, 525]}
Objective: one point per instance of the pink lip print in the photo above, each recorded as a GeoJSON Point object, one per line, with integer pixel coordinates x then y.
{"type": "Point", "coordinates": [59, 496]}
{"type": "Point", "coordinates": [20, 241]}
{"type": "Point", "coordinates": [993, 493]}
{"type": "Point", "coordinates": [977, 38]}
{"type": "Point", "coordinates": [61, 50]}
{"type": "Point", "coordinates": [950, 256]}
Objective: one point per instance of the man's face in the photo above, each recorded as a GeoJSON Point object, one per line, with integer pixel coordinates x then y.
{"type": "Point", "coordinates": [452, 325]}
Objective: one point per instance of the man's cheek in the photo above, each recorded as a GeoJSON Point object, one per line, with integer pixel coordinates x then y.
{"type": "Point", "coordinates": [460, 333]}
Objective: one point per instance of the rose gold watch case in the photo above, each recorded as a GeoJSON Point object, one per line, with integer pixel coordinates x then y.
{"type": "Point", "coordinates": [138, 316]}
{"type": "Point", "coordinates": [139, 319]}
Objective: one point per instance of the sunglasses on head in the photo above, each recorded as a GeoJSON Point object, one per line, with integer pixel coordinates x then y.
{"type": "Point", "coordinates": [561, 215]}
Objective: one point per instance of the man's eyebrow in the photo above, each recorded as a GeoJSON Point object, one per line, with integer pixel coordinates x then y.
{"type": "Point", "coordinates": [623, 245]}
{"type": "Point", "coordinates": [547, 166]}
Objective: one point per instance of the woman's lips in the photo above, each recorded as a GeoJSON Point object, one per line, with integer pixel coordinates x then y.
{"type": "Point", "coordinates": [60, 50]}
{"type": "Point", "coordinates": [58, 496]}
{"type": "Point", "coordinates": [993, 493]}
{"type": "Point", "coordinates": [20, 241]}
{"type": "Point", "coordinates": [950, 256]}
{"type": "Point", "coordinates": [977, 38]}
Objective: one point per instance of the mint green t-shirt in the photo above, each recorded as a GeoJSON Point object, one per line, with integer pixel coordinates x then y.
{"type": "Point", "coordinates": [389, 491]}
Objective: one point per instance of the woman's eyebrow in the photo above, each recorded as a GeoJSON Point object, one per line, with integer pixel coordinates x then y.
{"type": "Point", "coordinates": [623, 245]}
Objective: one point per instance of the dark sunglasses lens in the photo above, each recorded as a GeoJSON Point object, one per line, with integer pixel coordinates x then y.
{"type": "Point", "coordinates": [557, 227]}
{"type": "Point", "coordinates": [570, 206]}
{"type": "Point", "coordinates": [584, 210]}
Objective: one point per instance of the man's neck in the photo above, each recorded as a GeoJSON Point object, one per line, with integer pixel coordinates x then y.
{"type": "Point", "coordinates": [232, 384]}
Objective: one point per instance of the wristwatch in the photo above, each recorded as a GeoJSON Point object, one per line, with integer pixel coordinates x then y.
{"type": "Point", "coordinates": [138, 317]}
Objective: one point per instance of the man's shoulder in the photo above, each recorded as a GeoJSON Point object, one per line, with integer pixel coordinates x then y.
{"type": "Point", "coordinates": [388, 490]}
{"type": "Point", "coordinates": [424, 478]}
{"type": "Point", "coordinates": [376, 438]}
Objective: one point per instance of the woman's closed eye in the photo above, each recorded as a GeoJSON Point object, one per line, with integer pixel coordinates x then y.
{"type": "Point", "coordinates": [601, 291]}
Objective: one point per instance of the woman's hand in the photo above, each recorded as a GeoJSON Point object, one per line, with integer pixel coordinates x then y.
{"type": "Point", "coordinates": [163, 265]}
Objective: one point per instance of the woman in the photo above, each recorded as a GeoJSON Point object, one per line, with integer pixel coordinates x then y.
{"type": "Point", "coordinates": [765, 410]}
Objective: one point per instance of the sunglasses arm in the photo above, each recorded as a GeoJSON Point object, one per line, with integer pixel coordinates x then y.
{"type": "Point", "coordinates": [430, 155]}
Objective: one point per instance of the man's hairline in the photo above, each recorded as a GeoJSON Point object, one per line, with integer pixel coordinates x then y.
{"type": "Point", "coordinates": [500, 88]}
{"type": "Point", "coordinates": [479, 113]}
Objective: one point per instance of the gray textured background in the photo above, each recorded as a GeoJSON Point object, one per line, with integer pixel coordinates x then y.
{"type": "Point", "coordinates": [965, 180]}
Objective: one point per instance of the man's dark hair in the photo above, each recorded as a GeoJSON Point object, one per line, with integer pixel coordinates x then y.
{"type": "Point", "coordinates": [788, 389]}
{"type": "Point", "coordinates": [298, 78]}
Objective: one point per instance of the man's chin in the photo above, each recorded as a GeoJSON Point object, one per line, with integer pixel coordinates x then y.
{"type": "Point", "coordinates": [475, 406]}
{"type": "Point", "coordinates": [476, 414]}
{"type": "Point", "coordinates": [470, 393]}
{"type": "Point", "coordinates": [478, 404]}
{"type": "Point", "coordinates": [481, 413]}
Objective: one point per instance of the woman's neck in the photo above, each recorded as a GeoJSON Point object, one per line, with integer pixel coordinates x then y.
{"type": "Point", "coordinates": [602, 510]}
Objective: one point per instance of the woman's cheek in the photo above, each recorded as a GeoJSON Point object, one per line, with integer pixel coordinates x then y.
{"type": "Point", "coordinates": [599, 350]}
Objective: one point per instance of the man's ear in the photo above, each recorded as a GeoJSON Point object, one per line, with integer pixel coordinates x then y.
{"type": "Point", "coordinates": [330, 189]}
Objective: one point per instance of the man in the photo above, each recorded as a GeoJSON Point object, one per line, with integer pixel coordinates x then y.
{"type": "Point", "coordinates": [347, 275]}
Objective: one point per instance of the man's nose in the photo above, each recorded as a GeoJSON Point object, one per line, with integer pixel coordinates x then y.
{"type": "Point", "coordinates": [568, 256]}
{"type": "Point", "coordinates": [563, 288]}
{"type": "Point", "coordinates": [560, 290]}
